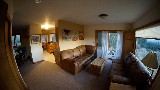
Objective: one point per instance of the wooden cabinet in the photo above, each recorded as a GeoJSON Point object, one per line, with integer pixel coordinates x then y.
{"type": "Point", "coordinates": [51, 47]}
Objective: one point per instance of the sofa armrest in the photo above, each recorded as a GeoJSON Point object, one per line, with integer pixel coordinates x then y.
{"type": "Point", "coordinates": [120, 80]}
{"type": "Point", "coordinates": [69, 65]}
{"type": "Point", "coordinates": [90, 49]}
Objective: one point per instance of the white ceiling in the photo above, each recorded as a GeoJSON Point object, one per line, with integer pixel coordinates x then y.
{"type": "Point", "coordinates": [79, 11]}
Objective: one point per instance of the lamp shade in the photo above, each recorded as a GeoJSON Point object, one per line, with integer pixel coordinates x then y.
{"type": "Point", "coordinates": [150, 60]}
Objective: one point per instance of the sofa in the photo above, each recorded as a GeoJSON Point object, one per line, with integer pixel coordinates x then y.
{"type": "Point", "coordinates": [74, 60]}
{"type": "Point", "coordinates": [130, 71]}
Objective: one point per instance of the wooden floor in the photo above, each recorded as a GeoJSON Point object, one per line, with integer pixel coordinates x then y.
{"type": "Point", "coordinates": [48, 57]}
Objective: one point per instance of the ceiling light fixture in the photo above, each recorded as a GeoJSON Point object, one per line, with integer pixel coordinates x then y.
{"type": "Point", "coordinates": [103, 16]}
{"type": "Point", "coordinates": [46, 26]}
{"type": "Point", "coordinates": [38, 1]}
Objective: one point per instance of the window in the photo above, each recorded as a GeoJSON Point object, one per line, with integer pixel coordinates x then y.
{"type": "Point", "coordinates": [53, 37]}
{"type": "Point", "coordinates": [44, 38]}
{"type": "Point", "coordinates": [144, 46]}
{"type": "Point", "coordinates": [16, 40]}
{"type": "Point", "coordinates": [111, 44]}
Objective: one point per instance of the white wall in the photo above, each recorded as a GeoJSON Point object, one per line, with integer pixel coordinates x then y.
{"type": "Point", "coordinates": [150, 16]}
{"type": "Point", "coordinates": [36, 49]}
{"type": "Point", "coordinates": [89, 30]}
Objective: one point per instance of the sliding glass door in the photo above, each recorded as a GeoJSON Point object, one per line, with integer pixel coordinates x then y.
{"type": "Point", "coordinates": [109, 44]}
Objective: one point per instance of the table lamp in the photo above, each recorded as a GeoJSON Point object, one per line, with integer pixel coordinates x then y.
{"type": "Point", "coordinates": [150, 60]}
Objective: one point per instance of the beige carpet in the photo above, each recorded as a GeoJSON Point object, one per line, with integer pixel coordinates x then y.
{"type": "Point", "coordinates": [49, 76]}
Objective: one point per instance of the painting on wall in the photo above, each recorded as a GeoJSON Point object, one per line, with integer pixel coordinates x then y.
{"type": "Point", "coordinates": [75, 35]}
{"type": "Point", "coordinates": [81, 36]}
{"type": "Point", "coordinates": [35, 39]}
{"type": "Point", "coordinates": [66, 35]}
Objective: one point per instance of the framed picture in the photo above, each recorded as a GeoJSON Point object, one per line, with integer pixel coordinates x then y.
{"type": "Point", "coordinates": [66, 35]}
{"type": "Point", "coordinates": [81, 36]}
{"type": "Point", "coordinates": [36, 39]}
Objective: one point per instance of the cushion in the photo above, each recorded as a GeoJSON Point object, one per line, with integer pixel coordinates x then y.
{"type": "Point", "coordinates": [141, 75]}
{"type": "Point", "coordinates": [118, 66]}
{"type": "Point", "coordinates": [120, 79]}
{"type": "Point", "coordinates": [76, 52]}
{"type": "Point", "coordinates": [82, 49]}
{"type": "Point", "coordinates": [67, 54]}
{"type": "Point", "coordinates": [90, 49]}
{"type": "Point", "coordinates": [129, 60]}
{"type": "Point", "coordinates": [128, 57]}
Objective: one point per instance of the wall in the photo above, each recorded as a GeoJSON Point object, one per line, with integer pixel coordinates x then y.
{"type": "Point", "coordinates": [70, 26]}
{"type": "Point", "coordinates": [10, 7]}
{"type": "Point", "coordinates": [36, 49]}
{"type": "Point", "coordinates": [150, 16]}
{"type": "Point", "coordinates": [89, 30]}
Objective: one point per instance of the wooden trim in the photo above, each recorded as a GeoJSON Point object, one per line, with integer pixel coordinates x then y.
{"type": "Point", "coordinates": [57, 35]}
{"type": "Point", "coordinates": [109, 30]}
{"type": "Point", "coordinates": [7, 62]}
{"type": "Point", "coordinates": [147, 25]}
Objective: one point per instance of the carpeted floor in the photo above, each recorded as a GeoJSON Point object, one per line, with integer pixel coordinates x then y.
{"type": "Point", "coordinates": [48, 76]}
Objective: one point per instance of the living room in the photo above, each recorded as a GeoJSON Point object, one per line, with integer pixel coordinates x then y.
{"type": "Point", "coordinates": [30, 15]}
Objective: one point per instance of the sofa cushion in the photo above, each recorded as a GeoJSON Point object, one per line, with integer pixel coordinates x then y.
{"type": "Point", "coordinates": [80, 60]}
{"type": "Point", "coordinates": [117, 72]}
{"type": "Point", "coordinates": [67, 54]}
{"type": "Point", "coordinates": [76, 52]}
{"type": "Point", "coordinates": [129, 58]}
{"type": "Point", "coordinates": [120, 79]}
{"type": "Point", "coordinates": [118, 66]}
{"type": "Point", "coordinates": [141, 75]}
{"type": "Point", "coordinates": [82, 49]}
{"type": "Point", "coordinates": [90, 49]}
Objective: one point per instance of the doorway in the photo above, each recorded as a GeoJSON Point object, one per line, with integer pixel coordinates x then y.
{"type": "Point", "coordinates": [109, 44]}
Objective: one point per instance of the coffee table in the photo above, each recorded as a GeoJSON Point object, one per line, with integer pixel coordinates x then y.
{"type": "Point", "coordinates": [97, 66]}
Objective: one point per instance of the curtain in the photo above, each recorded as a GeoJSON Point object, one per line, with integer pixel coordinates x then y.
{"type": "Point", "coordinates": [119, 45]}
{"type": "Point", "coordinates": [104, 44]}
